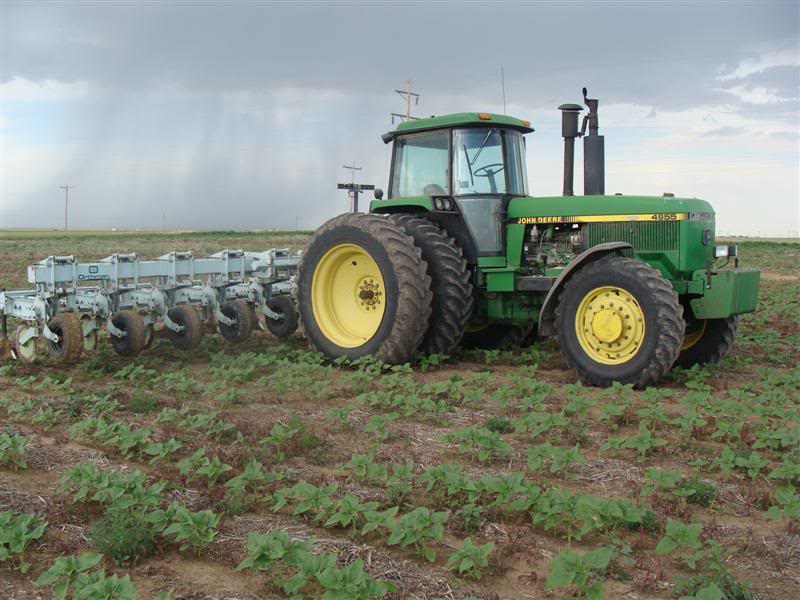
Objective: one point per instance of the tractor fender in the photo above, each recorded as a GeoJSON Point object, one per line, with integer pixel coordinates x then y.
{"type": "Point", "coordinates": [548, 312]}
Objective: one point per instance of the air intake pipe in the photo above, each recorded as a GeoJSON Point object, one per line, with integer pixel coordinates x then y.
{"type": "Point", "coordinates": [594, 161]}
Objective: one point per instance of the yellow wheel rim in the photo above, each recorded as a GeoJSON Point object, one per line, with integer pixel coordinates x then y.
{"type": "Point", "coordinates": [694, 333]}
{"type": "Point", "coordinates": [348, 295]}
{"type": "Point", "coordinates": [610, 325]}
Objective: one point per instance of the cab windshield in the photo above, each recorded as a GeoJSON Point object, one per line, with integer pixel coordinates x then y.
{"type": "Point", "coordinates": [488, 161]}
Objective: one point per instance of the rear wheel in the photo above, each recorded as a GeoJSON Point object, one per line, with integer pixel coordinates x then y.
{"type": "Point", "coordinates": [192, 333]}
{"type": "Point", "coordinates": [619, 320]}
{"type": "Point", "coordinates": [363, 289]}
{"type": "Point", "coordinates": [451, 307]}
{"type": "Point", "coordinates": [707, 340]}
{"type": "Point", "coordinates": [242, 316]}
{"type": "Point", "coordinates": [67, 326]}
{"type": "Point", "coordinates": [285, 326]}
{"type": "Point", "coordinates": [132, 323]}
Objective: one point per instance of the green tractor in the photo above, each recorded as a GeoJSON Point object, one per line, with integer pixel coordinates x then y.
{"type": "Point", "coordinates": [458, 253]}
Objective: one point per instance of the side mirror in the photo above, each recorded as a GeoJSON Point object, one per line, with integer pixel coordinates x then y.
{"type": "Point", "coordinates": [378, 193]}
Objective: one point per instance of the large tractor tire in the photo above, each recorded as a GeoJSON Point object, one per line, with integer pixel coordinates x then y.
{"type": "Point", "coordinates": [363, 289]}
{"type": "Point", "coordinates": [451, 307]}
{"type": "Point", "coordinates": [495, 335]}
{"type": "Point", "coordinates": [619, 320]}
{"type": "Point", "coordinates": [67, 326]}
{"type": "Point", "coordinates": [707, 340]}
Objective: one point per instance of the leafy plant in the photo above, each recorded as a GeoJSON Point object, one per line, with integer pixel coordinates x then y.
{"type": "Point", "coordinates": [194, 529]}
{"type": "Point", "coordinates": [69, 572]}
{"type": "Point", "coordinates": [470, 558]}
{"type": "Point", "coordinates": [12, 450]}
{"type": "Point", "coordinates": [683, 536]}
{"type": "Point", "coordinates": [418, 528]}
{"type": "Point", "coordinates": [17, 531]}
{"type": "Point", "coordinates": [479, 441]}
{"type": "Point", "coordinates": [788, 503]}
{"type": "Point", "coordinates": [581, 570]}
{"type": "Point", "coordinates": [556, 459]}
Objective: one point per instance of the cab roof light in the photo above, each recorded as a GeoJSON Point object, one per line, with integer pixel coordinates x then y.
{"type": "Point", "coordinates": [525, 122]}
{"type": "Point", "coordinates": [484, 116]}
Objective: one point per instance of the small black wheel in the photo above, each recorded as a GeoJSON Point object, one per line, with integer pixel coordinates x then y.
{"type": "Point", "coordinates": [243, 325]}
{"type": "Point", "coordinates": [192, 333]}
{"type": "Point", "coordinates": [706, 340]}
{"type": "Point", "coordinates": [132, 323]}
{"type": "Point", "coordinates": [67, 326]}
{"type": "Point", "coordinates": [287, 325]}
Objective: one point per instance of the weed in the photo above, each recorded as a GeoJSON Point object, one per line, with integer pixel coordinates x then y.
{"type": "Point", "coordinates": [17, 531]}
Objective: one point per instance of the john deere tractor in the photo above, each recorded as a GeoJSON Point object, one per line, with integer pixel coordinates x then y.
{"type": "Point", "coordinates": [459, 253]}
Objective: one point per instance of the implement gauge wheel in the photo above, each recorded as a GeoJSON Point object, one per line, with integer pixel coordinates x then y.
{"type": "Point", "coordinates": [451, 307]}
{"type": "Point", "coordinates": [286, 326]}
{"type": "Point", "coordinates": [363, 289]}
{"type": "Point", "coordinates": [67, 326]}
{"type": "Point", "coordinates": [192, 333]}
{"type": "Point", "coordinates": [619, 320]}
{"type": "Point", "coordinates": [132, 323]}
{"type": "Point", "coordinates": [25, 352]}
{"type": "Point", "coordinates": [242, 314]}
{"type": "Point", "coordinates": [706, 340]}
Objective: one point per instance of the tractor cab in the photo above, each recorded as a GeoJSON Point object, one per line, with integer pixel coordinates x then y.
{"type": "Point", "coordinates": [467, 164]}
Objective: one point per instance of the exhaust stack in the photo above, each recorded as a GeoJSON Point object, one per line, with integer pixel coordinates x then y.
{"type": "Point", "coordinates": [594, 162]}
{"type": "Point", "coordinates": [569, 131]}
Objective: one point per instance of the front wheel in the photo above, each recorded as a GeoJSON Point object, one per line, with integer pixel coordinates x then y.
{"type": "Point", "coordinates": [619, 320]}
{"type": "Point", "coordinates": [707, 341]}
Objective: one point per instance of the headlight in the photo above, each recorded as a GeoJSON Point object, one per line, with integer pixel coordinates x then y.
{"type": "Point", "coordinates": [725, 252]}
{"type": "Point", "coordinates": [438, 204]}
{"type": "Point", "coordinates": [448, 204]}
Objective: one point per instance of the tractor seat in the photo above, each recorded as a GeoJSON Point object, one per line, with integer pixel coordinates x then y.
{"type": "Point", "coordinates": [434, 189]}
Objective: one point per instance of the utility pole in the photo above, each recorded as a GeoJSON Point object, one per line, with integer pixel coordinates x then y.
{"type": "Point", "coordinates": [503, 85]}
{"type": "Point", "coordinates": [406, 95]}
{"type": "Point", "coordinates": [353, 188]}
{"type": "Point", "coordinates": [66, 189]}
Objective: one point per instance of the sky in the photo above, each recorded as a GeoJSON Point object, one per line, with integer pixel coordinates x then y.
{"type": "Point", "coordinates": [241, 115]}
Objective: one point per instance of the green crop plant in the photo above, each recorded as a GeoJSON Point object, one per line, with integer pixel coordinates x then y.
{"type": "Point", "coordinates": [351, 582]}
{"type": "Point", "coordinates": [446, 480]}
{"type": "Point", "coordinates": [306, 498]}
{"type": "Point", "coordinates": [70, 573]}
{"type": "Point", "coordinates": [266, 551]}
{"type": "Point", "coordinates": [470, 558]}
{"type": "Point", "coordinates": [47, 417]}
{"type": "Point", "coordinates": [242, 490]}
{"type": "Point", "coordinates": [124, 534]}
{"type": "Point", "coordinates": [198, 465]}
{"type": "Point", "coordinates": [644, 442]}
{"type": "Point", "coordinates": [788, 470]}
{"type": "Point", "coordinates": [685, 537]}
{"type": "Point", "coordinates": [468, 518]}
{"type": "Point", "coordinates": [537, 423]}
{"type": "Point", "coordinates": [17, 531]}
{"type": "Point", "coordinates": [583, 571]}
{"type": "Point", "coordinates": [555, 458]}
{"type": "Point", "coordinates": [510, 492]}
{"type": "Point", "coordinates": [350, 512]}
{"type": "Point", "coordinates": [787, 503]}
{"type": "Point", "coordinates": [12, 450]}
{"type": "Point", "coordinates": [418, 529]}
{"type": "Point", "coordinates": [481, 442]}
{"type": "Point", "coordinates": [753, 464]}
{"type": "Point", "coordinates": [193, 529]}
{"type": "Point", "coordinates": [377, 426]}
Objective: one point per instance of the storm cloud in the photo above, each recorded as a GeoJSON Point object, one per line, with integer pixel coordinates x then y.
{"type": "Point", "coordinates": [235, 115]}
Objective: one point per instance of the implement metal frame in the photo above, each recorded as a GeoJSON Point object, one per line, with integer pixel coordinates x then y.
{"type": "Point", "coordinates": [98, 290]}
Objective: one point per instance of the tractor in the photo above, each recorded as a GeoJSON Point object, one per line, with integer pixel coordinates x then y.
{"type": "Point", "coordinates": [458, 253]}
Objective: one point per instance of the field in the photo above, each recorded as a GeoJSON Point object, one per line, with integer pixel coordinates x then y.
{"type": "Point", "coordinates": [260, 471]}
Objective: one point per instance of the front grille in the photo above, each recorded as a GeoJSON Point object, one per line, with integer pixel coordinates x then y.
{"type": "Point", "coordinates": [644, 236]}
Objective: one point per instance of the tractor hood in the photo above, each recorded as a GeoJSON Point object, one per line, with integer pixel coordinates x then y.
{"type": "Point", "coordinates": [624, 208]}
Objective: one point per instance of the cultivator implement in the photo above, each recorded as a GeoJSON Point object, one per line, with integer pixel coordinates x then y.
{"type": "Point", "coordinates": [132, 299]}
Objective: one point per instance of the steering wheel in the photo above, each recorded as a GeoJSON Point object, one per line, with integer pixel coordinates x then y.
{"type": "Point", "coordinates": [487, 172]}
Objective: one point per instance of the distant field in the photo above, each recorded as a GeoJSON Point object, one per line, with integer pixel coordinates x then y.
{"type": "Point", "coordinates": [673, 489]}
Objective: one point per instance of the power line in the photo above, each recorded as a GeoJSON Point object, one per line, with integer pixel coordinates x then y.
{"type": "Point", "coordinates": [407, 95]}
{"type": "Point", "coordinates": [66, 188]}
